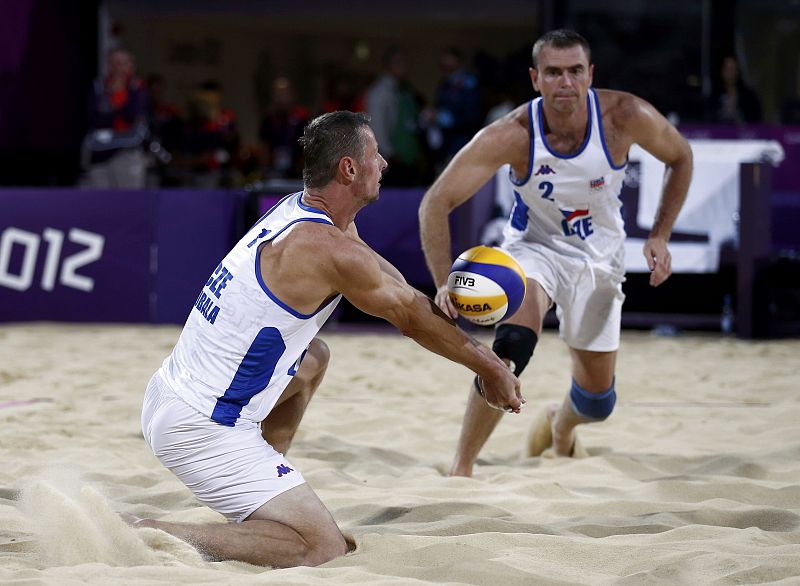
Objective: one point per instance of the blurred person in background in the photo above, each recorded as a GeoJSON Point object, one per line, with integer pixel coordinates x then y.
{"type": "Point", "coordinates": [344, 92]}
{"type": "Point", "coordinates": [395, 107]}
{"type": "Point", "coordinates": [166, 130]}
{"type": "Point", "coordinates": [210, 139]}
{"type": "Point", "coordinates": [281, 128]}
{"type": "Point", "coordinates": [113, 153]}
{"type": "Point", "coordinates": [458, 111]}
{"type": "Point", "coordinates": [732, 101]}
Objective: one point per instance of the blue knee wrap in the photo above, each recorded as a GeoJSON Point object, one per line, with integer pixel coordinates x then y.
{"type": "Point", "coordinates": [593, 406]}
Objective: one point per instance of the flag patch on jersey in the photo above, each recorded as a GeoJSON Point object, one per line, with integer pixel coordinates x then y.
{"type": "Point", "coordinates": [577, 222]}
{"type": "Point", "coordinates": [597, 184]}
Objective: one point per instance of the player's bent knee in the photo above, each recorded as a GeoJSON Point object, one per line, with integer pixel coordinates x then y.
{"type": "Point", "coordinates": [592, 406]}
{"type": "Point", "coordinates": [314, 362]}
{"type": "Point", "coordinates": [320, 352]}
{"type": "Point", "coordinates": [515, 343]}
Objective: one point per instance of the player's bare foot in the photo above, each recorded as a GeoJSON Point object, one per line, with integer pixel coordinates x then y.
{"type": "Point", "coordinates": [460, 470]}
{"type": "Point", "coordinates": [540, 436]}
{"type": "Point", "coordinates": [562, 430]}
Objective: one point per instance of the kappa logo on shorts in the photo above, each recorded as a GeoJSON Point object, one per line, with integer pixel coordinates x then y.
{"type": "Point", "coordinates": [545, 170]}
{"type": "Point", "coordinates": [283, 469]}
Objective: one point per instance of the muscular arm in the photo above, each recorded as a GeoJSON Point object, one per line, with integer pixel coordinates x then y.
{"type": "Point", "coordinates": [355, 270]}
{"type": "Point", "coordinates": [470, 169]}
{"type": "Point", "coordinates": [657, 136]}
{"type": "Point", "coordinates": [384, 264]}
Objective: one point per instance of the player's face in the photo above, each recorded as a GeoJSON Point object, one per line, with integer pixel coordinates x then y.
{"type": "Point", "coordinates": [563, 77]}
{"type": "Point", "coordinates": [371, 168]}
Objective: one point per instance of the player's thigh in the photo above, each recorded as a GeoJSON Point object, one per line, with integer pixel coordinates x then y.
{"type": "Point", "coordinates": [301, 509]}
{"type": "Point", "coordinates": [533, 309]}
{"type": "Point", "coordinates": [593, 371]}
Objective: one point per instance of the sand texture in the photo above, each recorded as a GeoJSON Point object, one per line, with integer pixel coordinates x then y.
{"type": "Point", "coordinates": [695, 478]}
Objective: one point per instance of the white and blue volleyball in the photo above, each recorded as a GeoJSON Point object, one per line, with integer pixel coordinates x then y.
{"type": "Point", "coordinates": [486, 285]}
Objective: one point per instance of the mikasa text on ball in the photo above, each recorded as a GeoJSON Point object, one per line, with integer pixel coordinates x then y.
{"type": "Point", "coordinates": [486, 285]}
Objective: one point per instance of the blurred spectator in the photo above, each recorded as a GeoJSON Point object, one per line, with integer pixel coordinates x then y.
{"type": "Point", "coordinates": [343, 93]}
{"type": "Point", "coordinates": [113, 150]}
{"type": "Point", "coordinates": [281, 127]}
{"type": "Point", "coordinates": [395, 109]}
{"type": "Point", "coordinates": [458, 105]}
{"type": "Point", "coordinates": [732, 101]}
{"type": "Point", "coordinates": [211, 138]}
{"type": "Point", "coordinates": [166, 129]}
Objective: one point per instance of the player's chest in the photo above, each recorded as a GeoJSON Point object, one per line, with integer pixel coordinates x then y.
{"type": "Point", "coordinates": [585, 177]}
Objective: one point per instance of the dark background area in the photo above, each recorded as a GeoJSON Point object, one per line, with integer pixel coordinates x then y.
{"type": "Point", "coordinates": [666, 51]}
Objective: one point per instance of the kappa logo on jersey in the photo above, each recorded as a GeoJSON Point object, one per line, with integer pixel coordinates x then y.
{"type": "Point", "coordinates": [577, 222]}
{"type": "Point", "coordinates": [283, 469]}
{"type": "Point", "coordinates": [545, 170]}
{"type": "Point", "coordinates": [597, 184]}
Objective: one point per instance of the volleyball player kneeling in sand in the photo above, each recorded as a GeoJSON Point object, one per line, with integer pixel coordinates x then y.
{"type": "Point", "coordinates": [221, 411]}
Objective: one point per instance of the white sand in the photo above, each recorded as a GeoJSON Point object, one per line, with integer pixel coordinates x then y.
{"type": "Point", "coordinates": [695, 479]}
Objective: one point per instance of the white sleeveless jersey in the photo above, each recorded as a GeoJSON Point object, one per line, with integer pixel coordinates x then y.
{"type": "Point", "coordinates": [570, 203]}
{"type": "Point", "coordinates": [241, 345]}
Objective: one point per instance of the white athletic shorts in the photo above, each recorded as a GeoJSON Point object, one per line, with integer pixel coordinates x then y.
{"type": "Point", "coordinates": [232, 470]}
{"type": "Point", "coordinates": [588, 296]}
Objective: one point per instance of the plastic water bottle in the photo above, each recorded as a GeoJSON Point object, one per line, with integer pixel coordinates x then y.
{"type": "Point", "coordinates": [727, 318]}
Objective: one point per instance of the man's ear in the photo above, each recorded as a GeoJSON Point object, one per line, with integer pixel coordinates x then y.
{"type": "Point", "coordinates": [347, 170]}
{"type": "Point", "coordinates": [534, 73]}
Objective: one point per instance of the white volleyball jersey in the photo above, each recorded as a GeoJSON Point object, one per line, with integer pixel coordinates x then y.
{"type": "Point", "coordinates": [241, 345]}
{"type": "Point", "coordinates": [571, 203]}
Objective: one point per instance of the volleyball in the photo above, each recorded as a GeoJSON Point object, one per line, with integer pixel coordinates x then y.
{"type": "Point", "coordinates": [486, 285]}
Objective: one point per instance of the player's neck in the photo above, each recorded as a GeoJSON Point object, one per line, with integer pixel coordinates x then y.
{"type": "Point", "coordinates": [566, 124]}
{"type": "Point", "coordinates": [335, 206]}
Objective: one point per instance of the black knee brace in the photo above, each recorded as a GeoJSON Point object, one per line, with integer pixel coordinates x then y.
{"type": "Point", "coordinates": [515, 343]}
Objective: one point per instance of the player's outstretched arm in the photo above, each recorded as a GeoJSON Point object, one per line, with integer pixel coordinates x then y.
{"type": "Point", "coordinates": [470, 169]}
{"type": "Point", "coordinates": [657, 136]}
{"type": "Point", "coordinates": [355, 270]}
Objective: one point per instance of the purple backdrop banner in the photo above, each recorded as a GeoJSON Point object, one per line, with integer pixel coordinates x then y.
{"type": "Point", "coordinates": [99, 256]}
{"type": "Point", "coordinates": [75, 255]}
{"type": "Point", "coordinates": [194, 231]}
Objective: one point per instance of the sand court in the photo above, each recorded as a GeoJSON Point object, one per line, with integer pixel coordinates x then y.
{"type": "Point", "coordinates": [694, 479]}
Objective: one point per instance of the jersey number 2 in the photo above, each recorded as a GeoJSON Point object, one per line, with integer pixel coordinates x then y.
{"type": "Point", "coordinates": [547, 188]}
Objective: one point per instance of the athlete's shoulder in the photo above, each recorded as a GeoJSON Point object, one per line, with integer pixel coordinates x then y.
{"type": "Point", "coordinates": [615, 103]}
{"type": "Point", "coordinates": [327, 242]}
{"type": "Point", "coordinates": [508, 132]}
{"type": "Point", "coordinates": [622, 110]}
{"type": "Point", "coordinates": [314, 234]}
